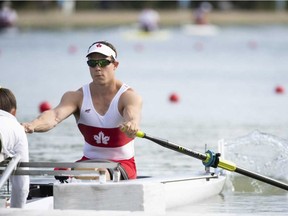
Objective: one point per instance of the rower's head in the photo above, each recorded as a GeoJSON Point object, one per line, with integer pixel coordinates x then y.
{"type": "Point", "coordinates": [102, 54]}
{"type": "Point", "coordinates": [8, 101]}
{"type": "Point", "coordinates": [103, 47]}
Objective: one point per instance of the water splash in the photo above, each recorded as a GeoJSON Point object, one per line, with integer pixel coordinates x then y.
{"type": "Point", "coordinates": [258, 152]}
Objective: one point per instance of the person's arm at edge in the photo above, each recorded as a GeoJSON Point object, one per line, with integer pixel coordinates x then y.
{"type": "Point", "coordinates": [50, 118]}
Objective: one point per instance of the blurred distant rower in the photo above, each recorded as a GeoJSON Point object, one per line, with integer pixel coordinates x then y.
{"type": "Point", "coordinates": [149, 20]}
{"type": "Point", "coordinates": [8, 16]}
{"type": "Point", "coordinates": [202, 12]}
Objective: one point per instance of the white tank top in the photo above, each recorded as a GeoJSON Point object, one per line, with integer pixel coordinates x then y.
{"type": "Point", "coordinates": [103, 138]}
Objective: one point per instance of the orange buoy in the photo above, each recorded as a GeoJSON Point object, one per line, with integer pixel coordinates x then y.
{"type": "Point", "coordinates": [279, 89]}
{"type": "Point", "coordinates": [44, 106]}
{"type": "Point", "coordinates": [174, 98]}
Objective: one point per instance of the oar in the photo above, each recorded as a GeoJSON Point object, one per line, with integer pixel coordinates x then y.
{"type": "Point", "coordinates": [213, 160]}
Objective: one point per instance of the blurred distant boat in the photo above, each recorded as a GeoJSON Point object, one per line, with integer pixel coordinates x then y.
{"type": "Point", "coordinates": [137, 34]}
{"type": "Point", "coordinates": [202, 30]}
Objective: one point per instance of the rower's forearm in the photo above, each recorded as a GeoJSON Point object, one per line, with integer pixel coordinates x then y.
{"type": "Point", "coordinates": [135, 118]}
{"type": "Point", "coordinates": [45, 122]}
{"type": "Point", "coordinates": [42, 127]}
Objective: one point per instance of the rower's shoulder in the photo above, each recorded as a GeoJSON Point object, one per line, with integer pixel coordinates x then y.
{"type": "Point", "coordinates": [131, 95]}
{"type": "Point", "coordinates": [77, 94]}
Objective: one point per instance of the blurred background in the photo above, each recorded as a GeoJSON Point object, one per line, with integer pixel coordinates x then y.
{"type": "Point", "coordinates": [110, 13]}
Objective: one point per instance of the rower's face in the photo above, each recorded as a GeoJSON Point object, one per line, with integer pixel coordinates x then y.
{"type": "Point", "coordinates": [101, 67]}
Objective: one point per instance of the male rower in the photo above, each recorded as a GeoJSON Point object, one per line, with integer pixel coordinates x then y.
{"type": "Point", "coordinates": [103, 109]}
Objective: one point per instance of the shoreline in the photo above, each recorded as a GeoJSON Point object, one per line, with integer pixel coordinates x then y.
{"type": "Point", "coordinates": [110, 18]}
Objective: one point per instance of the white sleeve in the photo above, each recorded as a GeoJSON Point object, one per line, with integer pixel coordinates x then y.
{"type": "Point", "coordinates": [20, 184]}
{"type": "Point", "coordinates": [20, 191]}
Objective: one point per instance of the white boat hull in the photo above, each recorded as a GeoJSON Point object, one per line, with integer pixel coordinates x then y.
{"type": "Point", "coordinates": [154, 195]}
{"type": "Point", "coordinates": [189, 192]}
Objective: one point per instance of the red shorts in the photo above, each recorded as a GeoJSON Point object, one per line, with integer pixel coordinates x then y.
{"type": "Point", "coordinates": [127, 168]}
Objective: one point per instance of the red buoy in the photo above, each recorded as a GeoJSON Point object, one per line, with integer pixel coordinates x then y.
{"type": "Point", "coordinates": [279, 89]}
{"type": "Point", "coordinates": [139, 47]}
{"type": "Point", "coordinates": [174, 98]}
{"type": "Point", "coordinates": [252, 44]}
{"type": "Point", "coordinates": [44, 106]}
{"type": "Point", "coordinates": [199, 46]}
{"type": "Point", "coordinates": [72, 49]}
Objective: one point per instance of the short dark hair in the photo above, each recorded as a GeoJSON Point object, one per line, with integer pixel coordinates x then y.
{"type": "Point", "coordinates": [7, 100]}
{"type": "Point", "coordinates": [107, 44]}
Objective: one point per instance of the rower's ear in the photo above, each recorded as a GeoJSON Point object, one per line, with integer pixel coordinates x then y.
{"type": "Point", "coordinates": [116, 63]}
{"type": "Point", "coordinates": [13, 111]}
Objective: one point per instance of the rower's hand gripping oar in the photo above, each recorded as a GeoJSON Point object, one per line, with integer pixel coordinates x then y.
{"type": "Point", "coordinates": [210, 159]}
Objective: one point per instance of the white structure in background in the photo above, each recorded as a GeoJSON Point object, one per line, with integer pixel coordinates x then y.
{"type": "Point", "coordinates": [67, 7]}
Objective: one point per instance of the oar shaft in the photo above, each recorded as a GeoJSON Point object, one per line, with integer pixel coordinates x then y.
{"type": "Point", "coordinates": [177, 148]}
{"type": "Point", "coordinates": [261, 178]}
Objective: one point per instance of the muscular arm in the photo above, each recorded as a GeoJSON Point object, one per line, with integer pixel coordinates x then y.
{"type": "Point", "coordinates": [132, 108]}
{"type": "Point", "coordinates": [50, 118]}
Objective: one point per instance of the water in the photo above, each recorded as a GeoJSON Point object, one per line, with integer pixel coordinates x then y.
{"type": "Point", "coordinates": [226, 87]}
